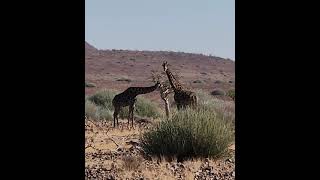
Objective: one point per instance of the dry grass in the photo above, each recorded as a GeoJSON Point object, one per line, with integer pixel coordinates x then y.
{"type": "Point", "coordinates": [131, 162]}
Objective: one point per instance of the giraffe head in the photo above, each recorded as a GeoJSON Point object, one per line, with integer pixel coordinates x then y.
{"type": "Point", "coordinates": [158, 85]}
{"type": "Point", "coordinates": [165, 65]}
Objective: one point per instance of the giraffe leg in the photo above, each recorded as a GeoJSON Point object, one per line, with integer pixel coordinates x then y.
{"type": "Point", "coordinates": [115, 116]}
{"type": "Point", "coordinates": [132, 116]}
{"type": "Point", "coordinates": [118, 117]}
{"type": "Point", "coordinates": [131, 108]}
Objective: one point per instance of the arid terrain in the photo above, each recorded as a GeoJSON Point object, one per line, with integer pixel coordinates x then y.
{"type": "Point", "coordinates": [115, 153]}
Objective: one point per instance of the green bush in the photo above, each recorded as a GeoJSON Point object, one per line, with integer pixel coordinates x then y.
{"type": "Point", "coordinates": [190, 133]}
{"type": "Point", "coordinates": [103, 101]}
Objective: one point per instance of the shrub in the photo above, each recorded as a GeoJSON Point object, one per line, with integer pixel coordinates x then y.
{"type": "Point", "coordinates": [197, 81]}
{"type": "Point", "coordinates": [124, 79]}
{"type": "Point", "coordinates": [146, 108]}
{"type": "Point", "coordinates": [218, 92]}
{"type": "Point", "coordinates": [190, 133]}
{"type": "Point", "coordinates": [103, 98]}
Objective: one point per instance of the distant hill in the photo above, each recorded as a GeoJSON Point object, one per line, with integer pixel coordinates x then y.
{"type": "Point", "coordinates": [119, 69]}
{"type": "Point", "coordinates": [90, 50]}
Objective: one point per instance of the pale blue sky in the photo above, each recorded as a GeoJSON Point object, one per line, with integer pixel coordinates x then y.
{"type": "Point", "coordinates": [196, 26]}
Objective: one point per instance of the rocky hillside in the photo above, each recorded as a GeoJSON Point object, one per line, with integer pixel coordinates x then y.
{"type": "Point", "coordinates": [119, 69]}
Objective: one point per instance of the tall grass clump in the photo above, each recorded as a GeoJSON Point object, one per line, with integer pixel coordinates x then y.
{"type": "Point", "coordinates": [103, 98]}
{"type": "Point", "coordinates": [146, 108]}
{"type": "Point", "coordinates": [224, 109]}
{"type": "Point", "coordinates": [91, 110]}
{"type": "Point", "coordinates": [95, 112]}
{"type": "Point", "coordinates": [190, 133]}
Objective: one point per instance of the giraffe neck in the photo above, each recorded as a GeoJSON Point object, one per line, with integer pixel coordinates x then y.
{"type": "Point", "coordinates": [145, 90]}
{"type": "Point", "coordinates": [173, 82]}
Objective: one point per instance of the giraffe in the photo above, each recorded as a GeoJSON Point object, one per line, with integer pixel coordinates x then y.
{"type": "Point", "coordinates": [182, 97]}
{"type": "Point", "coordinates": [128, 98]}
{"type": "Point", "coordinates": [164, 92]}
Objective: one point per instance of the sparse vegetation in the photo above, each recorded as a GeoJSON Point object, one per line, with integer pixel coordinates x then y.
{"type": "Point", "coordinates": [99, 106]}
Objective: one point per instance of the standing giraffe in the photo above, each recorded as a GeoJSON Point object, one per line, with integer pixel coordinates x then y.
{"type": "Point", "coordinates": [128, 98]}
{"type": "Point", "coordinates": [183, 98]}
